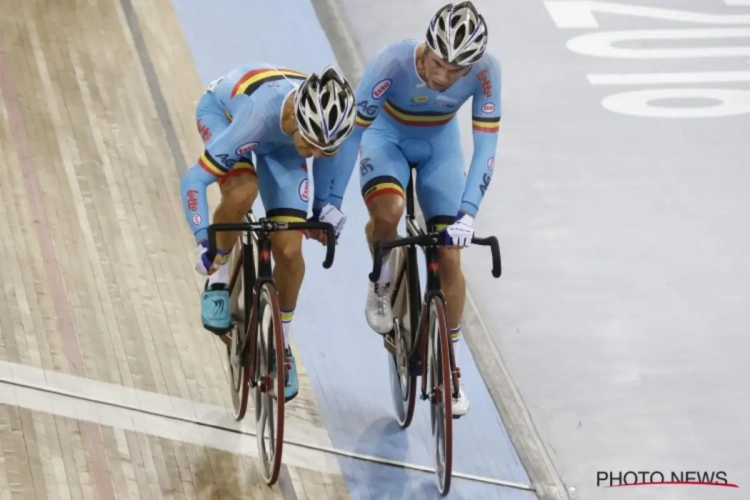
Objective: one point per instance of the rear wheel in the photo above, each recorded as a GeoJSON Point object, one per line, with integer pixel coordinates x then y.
{"type": "Point", "coordinates": [239, 368]}
{"type": "Point", "coordinates": [239, 371]}
{"type": "Point", "coordinates": [403, 381]}
{"type": "Point", "coordinates": [440, 392]}
{"type": "Point", "coordinates": [271, 379]}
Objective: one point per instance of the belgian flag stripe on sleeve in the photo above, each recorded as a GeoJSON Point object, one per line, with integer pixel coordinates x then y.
{"type": "Point", "coordinates": [484, 124]}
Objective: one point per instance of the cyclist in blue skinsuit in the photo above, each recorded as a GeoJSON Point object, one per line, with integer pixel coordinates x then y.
{"type": "Point", "coordinates": [407, 102]}
{"type": "Point", "coordinates": [282, 117]}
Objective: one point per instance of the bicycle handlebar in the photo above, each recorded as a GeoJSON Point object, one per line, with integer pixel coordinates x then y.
{"type": "Point", "coordinates": [431, 239]}
{"type": "Point", "coordinates": [270, 226]}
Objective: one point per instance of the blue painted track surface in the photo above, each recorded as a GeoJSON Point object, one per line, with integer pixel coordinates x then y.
{"type": "Point", "coordinates": [345, 360]}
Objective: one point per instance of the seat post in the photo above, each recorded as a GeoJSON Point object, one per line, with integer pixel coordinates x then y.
{"type": "Point", "coordinates": [410, 193]}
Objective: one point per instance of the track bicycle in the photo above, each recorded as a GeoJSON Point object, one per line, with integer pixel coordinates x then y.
{"type": "Point", "coordinates": [255, 343]}
{"type": "Point", "coordinates": [419, 343]}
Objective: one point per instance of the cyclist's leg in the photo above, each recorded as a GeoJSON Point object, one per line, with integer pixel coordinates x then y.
{"type": "Point", "coordinates": [284, 190]}
{"type": "Point", "coordinates": [238, 192]}
{"type": "Point", "coordinates": [384, 173]}
{"type": "Point", "coordinates": [440, 186]}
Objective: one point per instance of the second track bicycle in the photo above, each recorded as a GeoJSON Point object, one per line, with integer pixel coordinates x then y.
{"type": "Point", "coordinates": [420, 343]}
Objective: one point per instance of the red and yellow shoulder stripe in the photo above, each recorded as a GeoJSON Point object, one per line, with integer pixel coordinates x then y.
{"type": "Point", "coordinates": [252, 80]}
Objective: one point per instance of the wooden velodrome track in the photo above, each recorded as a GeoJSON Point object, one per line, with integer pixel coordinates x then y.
{"type": "Point", "coordinates": [97, 270]}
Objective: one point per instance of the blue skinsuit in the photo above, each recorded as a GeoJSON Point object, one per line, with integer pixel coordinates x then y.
{"type": "Point", "coordinates": [401, 122]}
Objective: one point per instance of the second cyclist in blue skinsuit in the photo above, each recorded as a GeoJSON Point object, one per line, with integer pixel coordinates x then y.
{"type": "Point", "coordinates": [407, 102]}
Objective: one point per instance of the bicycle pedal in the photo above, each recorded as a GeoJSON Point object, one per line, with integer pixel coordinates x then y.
{"type": "Point", "coordinates": [219, 332]}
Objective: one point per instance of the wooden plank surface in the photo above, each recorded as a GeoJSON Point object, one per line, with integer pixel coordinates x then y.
{"type": "Point", "coordinates": [97, 273]}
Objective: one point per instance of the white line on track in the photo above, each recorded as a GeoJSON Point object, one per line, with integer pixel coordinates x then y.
{"type": "Point", "coordinates": [178, 419]}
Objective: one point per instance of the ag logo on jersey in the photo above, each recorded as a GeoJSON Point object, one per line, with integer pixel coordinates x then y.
{"type": "Point", "coordinates": [420, 99]}
{"type": "Point", "coordinates": [246, 148]}
{"type": "Point", "coordinates": [381, 87]}
{"type": "Point", "coordinates": [367, 108]}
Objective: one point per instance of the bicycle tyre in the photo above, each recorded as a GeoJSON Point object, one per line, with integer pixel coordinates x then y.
{"type": "Point", "coordinates": [269, 389]}
{"type": "Point", "coordinates": [239, 368]}
{"type": "Point", "coordinates": [239, 374]}
{"type": "Point", "coordinates": [440, 391]}
{"type": "Point", "coordinates": [402, 379]}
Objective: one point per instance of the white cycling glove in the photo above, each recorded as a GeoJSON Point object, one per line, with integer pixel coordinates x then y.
{"type": "Point", "coordinates": [460, 232]}
{"type": "Point", "coordinates": [333, 216]}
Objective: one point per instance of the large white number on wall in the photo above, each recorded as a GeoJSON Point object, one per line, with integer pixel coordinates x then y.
{"type": "Point", "coordinates": [642, 103]}
{"type": "Point", "coordinates": [655, 78]}
{"type": "Point", "coordinates": [711, 102]}
{"type": "Point", "coordinates": [580, 14]}
{"type": "Point", "coordinates": [602, 44]}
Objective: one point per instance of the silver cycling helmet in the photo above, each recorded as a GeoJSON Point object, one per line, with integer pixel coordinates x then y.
{"type": "Point", "coordinates": [458, 34]}
{"type": "Point", "coordinates": [325, 108]}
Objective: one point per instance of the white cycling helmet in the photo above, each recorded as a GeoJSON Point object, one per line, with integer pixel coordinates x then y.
{"type": "Point", "coordinates": [325, 109]}
{"type": "Point", "coordinates": [458, 34]}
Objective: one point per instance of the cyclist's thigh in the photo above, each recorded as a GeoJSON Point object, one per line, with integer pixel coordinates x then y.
{"type": "Point", "coordinates": [284, 187]}
{"type": "Point", "coordinates": [383, 169]}
{"type": "Point", "coordinates": [440, 181]}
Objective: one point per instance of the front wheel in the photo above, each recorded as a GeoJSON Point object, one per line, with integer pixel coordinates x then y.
{"type": "Point", "coordinates": [271, 379]}
{"type": "Point", "coordinates": [440, 392]}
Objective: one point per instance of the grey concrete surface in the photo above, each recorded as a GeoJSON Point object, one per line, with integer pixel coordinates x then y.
{"type": "Point", "coordinates": [623, 311]}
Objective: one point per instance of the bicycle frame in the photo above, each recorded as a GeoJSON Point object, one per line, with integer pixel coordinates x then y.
{"type": "Point", "coordinates": [412, 359]}
{"type": "Point", "coordinates": [252, 363]}
{"type": "Point", "coordinates": [428, 242]}
{"type": "Point", "coordinates": [256, 280]}
{"type": "Point", "coordinates": [258, 233]}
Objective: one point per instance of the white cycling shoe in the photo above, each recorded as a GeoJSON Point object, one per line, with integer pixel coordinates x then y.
{"type": "Point", "coordinates": [460, 404]}
{"type": "Point", "coordinates": [378, 309]}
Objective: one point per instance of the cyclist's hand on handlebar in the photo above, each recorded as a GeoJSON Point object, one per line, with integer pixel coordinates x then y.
{"type": "Point", "coordinates": [331, 215]}
{"type": "Point", "coordinates": [203, 265]}
{"type": "Point", "coordinates": [459, 233]}
{"type": "Point", "coordinates": [316, 235]}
